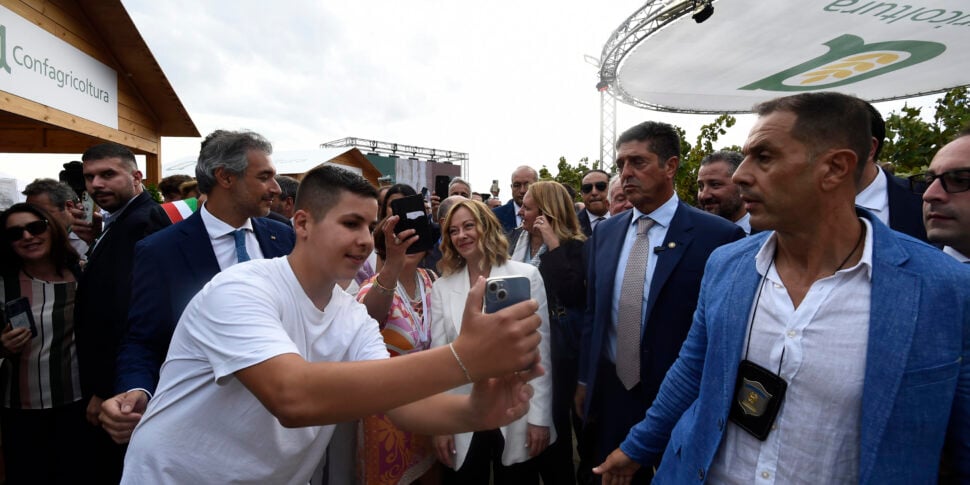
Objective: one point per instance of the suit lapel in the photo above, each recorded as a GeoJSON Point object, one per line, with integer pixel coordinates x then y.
{"type": "Point", "coordinates": [610, 243]}
{"type": "Point", "coordinates": [196, 248]}
{"type": "Point", "coordinates": [456, 301]}
{"type": "Point", "coordinates": [679, 233]}
{"type": "Point", "coordinates": [731, 333]}
{"type": "Point", "coordinates": [267, 239]}
{"type": "Point", "coordinates": [891, 329]}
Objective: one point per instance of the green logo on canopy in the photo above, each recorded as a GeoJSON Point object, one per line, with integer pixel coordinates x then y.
{"type": "Point", "coordinates": [850, 60]}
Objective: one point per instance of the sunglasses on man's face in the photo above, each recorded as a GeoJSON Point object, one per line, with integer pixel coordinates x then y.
{"type": "Point", "coordinates": [953, 182]}
{"type": "Point", "coordinates": [587, 188]}
{"type": "Point", "coordinates": [16, 233]}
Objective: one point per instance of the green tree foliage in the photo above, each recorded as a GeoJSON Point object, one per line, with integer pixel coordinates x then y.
{"type": "Point", "coordinates": [690, 160]}
{"type": "Point", "coordinates": [911, 141]}
{"type": "Point", "coordinates": [568, 174]}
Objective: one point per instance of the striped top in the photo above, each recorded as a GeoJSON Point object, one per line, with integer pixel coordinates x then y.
{"type": "Point", "coordinates": [45, 373]}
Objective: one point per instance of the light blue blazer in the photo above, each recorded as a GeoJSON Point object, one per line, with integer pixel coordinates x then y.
{"type": "Point", "coordinates": [917, 377]}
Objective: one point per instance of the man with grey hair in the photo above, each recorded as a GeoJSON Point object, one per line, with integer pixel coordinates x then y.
{"type": "Point", "coordinates": [508, 214]}
{"type": "Point", "coordinates": [235, 171]}
{"type": "Point", "coordinates": [618, 200]}
{"type": "Point", "coordinates": [717, 193]}
{"type": "Point", "coordinates": [57, 198]}
{"type": "Point", "coordinates": [460, 186]}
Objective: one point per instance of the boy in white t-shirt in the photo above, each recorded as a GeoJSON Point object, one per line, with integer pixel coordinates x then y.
{"type": "Point", "coordinates": [270, 354]}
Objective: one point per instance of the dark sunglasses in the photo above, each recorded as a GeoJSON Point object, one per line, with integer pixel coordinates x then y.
{"type": "Point", "coordinates": [16, 233]}
{"type": "Point", "coordinates": [587, 188]}
{"type": "Point", "coordinates": [953, 182]}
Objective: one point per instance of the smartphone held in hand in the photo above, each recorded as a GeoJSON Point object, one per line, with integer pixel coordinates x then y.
{"type": "Point", "coordinates": [505, 291]}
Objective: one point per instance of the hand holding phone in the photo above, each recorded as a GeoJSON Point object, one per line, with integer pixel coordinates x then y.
{"type": "Point", "coordinates": [412, 215]}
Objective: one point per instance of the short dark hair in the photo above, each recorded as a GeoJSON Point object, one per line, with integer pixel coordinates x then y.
{"type": "Point", "coordinates": [228, 150]}
{"type": "Point", "coordinates": [288, 186]}
{"type": "Point", "coordinates": [169, 186]}
{"type": "Point", "coordinates": [110, 150]}
{"type": "Point", "coordinates": [877, 127]}
{"type": "Point", "coordinates": [825, 120]}
{"type": "Point", "coordinates": [321, 188]}
{"type": "Point", "coordinates": [62, 254]}
{"type": "Point", "coordinates": [59, 193]}
{"type": "Point", "coordinates": [730, 157]}
{"type": "Point", "coordinates": [663, 138]}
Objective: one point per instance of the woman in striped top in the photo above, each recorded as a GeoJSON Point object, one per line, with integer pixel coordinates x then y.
{"type": "Point", "coordinates": [42, 414]}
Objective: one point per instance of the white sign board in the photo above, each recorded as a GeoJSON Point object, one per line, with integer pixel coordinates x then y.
{"type": "Point", "coordinates": [751, 50]}
{"type": "Point", "coordinates": [39, 66]}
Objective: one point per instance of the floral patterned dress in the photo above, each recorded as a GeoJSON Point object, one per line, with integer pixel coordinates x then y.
{"type": "Point", "coordinates": [385, 453]}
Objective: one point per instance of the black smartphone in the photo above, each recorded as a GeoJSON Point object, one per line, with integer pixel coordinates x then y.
{"type": "Point", "coordinates": [441, 183]}
{"type": "Point", "coordinates": [19, 315]}
{"type": "Point", "coordinates": [412, 215]}
{"type": "Point", "coordinates": [505, 291]}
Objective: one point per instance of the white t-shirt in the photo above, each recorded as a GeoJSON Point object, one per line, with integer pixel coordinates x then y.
{"type": "Point", "coordinates": [203, 425]}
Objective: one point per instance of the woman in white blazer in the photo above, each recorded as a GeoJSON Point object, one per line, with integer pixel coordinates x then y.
{"type": "Point", "coordinates": [474, 246]}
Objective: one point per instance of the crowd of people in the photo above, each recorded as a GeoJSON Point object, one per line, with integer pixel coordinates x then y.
{"type": "Point", "coordinates": [808, 321]}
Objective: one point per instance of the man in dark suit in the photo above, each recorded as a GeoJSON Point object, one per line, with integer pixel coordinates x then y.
{"type": "Point", "coordinates": [630, 338]}
{"type": "Point", "coordinates": [717, 193]}
{"type": "Point", "coordinates": [508, 214]}
{"type": "Point", "coordinates": [171, 266]}
{"type": "Point", "coordinates": [886, 196]}
{"type": "Point", "coordinates": [113, 180]}
{"type": "Point", "coordinates": [595, 198]}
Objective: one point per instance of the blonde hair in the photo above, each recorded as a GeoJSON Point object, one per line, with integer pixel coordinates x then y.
{"type": "Point", "coordinates": [553, 201]}
{"type": "Point", "coordinates": [491, 240]}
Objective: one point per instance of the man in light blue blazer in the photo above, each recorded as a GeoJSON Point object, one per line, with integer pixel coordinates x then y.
{"type": "Point", "coordinates": [868, 328]}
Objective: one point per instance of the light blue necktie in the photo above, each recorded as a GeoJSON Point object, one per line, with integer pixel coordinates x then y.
{"type": "Point", "coordinates": [240, 236]}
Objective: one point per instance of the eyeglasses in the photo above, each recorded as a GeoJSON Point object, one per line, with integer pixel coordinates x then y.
{"type": "Point", "coordinates": [587, 188]}
{"type": "Point", "coordinates": [953, 182]}
{"type": "Point", "coordinates": [16, 233]}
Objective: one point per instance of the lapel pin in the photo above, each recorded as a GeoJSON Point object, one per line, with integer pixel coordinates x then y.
{"type": "Point", "coordinates": [671, 245]}
{"type": "Point", "coordinates": [274, 238]}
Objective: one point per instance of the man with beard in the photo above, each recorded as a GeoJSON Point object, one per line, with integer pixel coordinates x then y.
{"type": "Point", "coordinates": [717, 193]}
{"type": "Point", "coordinates": [594, 186]}
{"type": "Point", "coordinates": [112, 178]}
{"type": "Point", "coordinates": [237, 174]}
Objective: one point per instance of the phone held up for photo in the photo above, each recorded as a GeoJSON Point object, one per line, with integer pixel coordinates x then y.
{"type": "Point", "coordinates": [19, 315]}
{"type": "Point", "coordinates": [412, 215]}
{"type": "Point", "coordinates": [505, 291]}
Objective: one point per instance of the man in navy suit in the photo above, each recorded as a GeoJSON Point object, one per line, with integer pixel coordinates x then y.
{"type": "Point", "coordinates": [886, 196]}
{"type": "Point", "coordinates": [861, 333]}
{"type": "Point", "coordinates": [680, 240]}
{"type": "Point", "coordinates": [235, 171]}
{"type": "Point", "coordinates": [508, 214]}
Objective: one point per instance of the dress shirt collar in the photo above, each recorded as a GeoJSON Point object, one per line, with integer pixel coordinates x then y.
{"type": "Point", "coordinates": [661, 215]}
{"type": "Point", "coordinates": [108, 218]}
{"type": "Point", "coordinates": [217, 227]}
{"type": "Point", "coordinates": [875, 197]}
{"type": "Point", "coordinates": [767, 252]}
{"type": "Point", "coordinates": [744, 223]}
{"type": "Point", "coordinates": [957, 255]}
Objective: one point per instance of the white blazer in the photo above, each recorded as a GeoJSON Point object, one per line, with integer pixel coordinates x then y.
{"type": "Point", "coordinates": [447, 306]}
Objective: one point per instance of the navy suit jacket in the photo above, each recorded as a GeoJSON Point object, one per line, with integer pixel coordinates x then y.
{"type": "Point", "coordinates": [506, 215]}
{"type": "Point", "coordinates": [584, 224]}
{"type": "Point", "coordinates": [905, 208]}
{"type": "Point", "coordinates": [171, 266]}
{"type": "Point", "coordinates": [103, 292]}
{"type": "Point", "coordinates": [673, 292]}
{"type": "Point", "coordinates": [917, 376]}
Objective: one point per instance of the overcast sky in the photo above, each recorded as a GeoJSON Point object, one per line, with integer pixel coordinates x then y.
{"type": "Point", "coordinates": [503, 81]}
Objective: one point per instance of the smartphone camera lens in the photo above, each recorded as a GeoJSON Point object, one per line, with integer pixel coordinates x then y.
{"type": "Point", "coordinates": [493, 287]}
{"type": "Point", "coordinates": [502, 294]}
